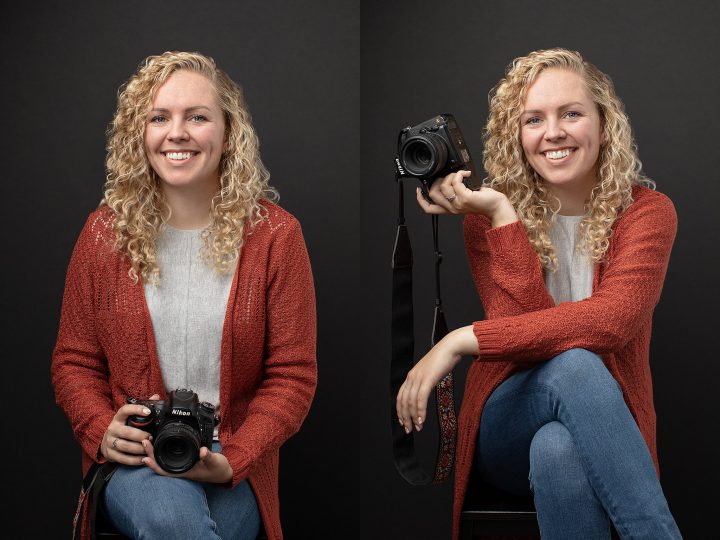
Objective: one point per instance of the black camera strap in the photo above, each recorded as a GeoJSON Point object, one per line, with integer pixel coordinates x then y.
{"type": "Point", "coordinates": [403, 344]}
{"type": "Point", "coordinates": [92, 485]}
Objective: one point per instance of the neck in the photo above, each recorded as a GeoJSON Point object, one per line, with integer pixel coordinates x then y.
{"type": "Point", "coordinates": [573, 197]}
{"type": "Point", "coordinates": [190, 206]}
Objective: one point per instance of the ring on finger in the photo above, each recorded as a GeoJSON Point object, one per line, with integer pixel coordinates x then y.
{"type": "Point", "coordinates": [114, 443]}
{"type": "Point", "coordinates": [451, 198]}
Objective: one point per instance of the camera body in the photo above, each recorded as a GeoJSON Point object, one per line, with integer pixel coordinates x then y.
{"type": "Point", "coordinates": [434, 148]}
{"type": "Point", "coordinates": [180, 426]}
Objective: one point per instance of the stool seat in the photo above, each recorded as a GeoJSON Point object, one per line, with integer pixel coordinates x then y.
{"type": "Point", "coordinates": [488, 511]}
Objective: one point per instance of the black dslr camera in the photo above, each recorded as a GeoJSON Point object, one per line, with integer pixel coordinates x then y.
{"type": "Point", "coordinates": [180, 426]}
{"type": "Point", "coordinates": [434, 148]}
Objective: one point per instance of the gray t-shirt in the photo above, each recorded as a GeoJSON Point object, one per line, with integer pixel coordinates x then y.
{"type": "Point", "coordinates": [187, 309]}
{"type": "Point", "coordinates": [572, 281]}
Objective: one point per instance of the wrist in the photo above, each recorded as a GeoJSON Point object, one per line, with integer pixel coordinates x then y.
{"type": "Point", "coordinates": [503, 214]}
{"type": "Point", "coordinates": [462, 342]}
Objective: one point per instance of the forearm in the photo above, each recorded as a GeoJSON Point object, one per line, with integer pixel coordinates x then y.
{"type": "Point", "coordinates": [503, 213]}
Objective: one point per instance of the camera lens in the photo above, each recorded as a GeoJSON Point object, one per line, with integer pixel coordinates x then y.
{"type": "Point", "coordinates": [423, 155]}
{"type": "Point", "coordinates": [177, 447]}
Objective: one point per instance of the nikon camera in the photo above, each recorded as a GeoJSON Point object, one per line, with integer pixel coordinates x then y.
{"type": "Point", "coordinates": [434, 148]}
{"type": "Point", "coordinates": [180, 426]}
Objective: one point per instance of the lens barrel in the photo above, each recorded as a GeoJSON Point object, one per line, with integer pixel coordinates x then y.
{"type": "Point", "coordinates": [177, 447]}
{"type": "Point", "coordinates": [423, 155]}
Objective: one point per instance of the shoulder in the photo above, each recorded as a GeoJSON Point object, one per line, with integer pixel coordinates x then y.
{"type": "Point", "coordinates": [276, 221]}
{"type": "Point", "coordinates": [97, 233]}
{"type": "Point", "coordinates": [652, 208]}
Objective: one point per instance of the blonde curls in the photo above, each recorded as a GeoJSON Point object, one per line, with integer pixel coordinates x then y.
{"type": "Point", "coordinates": [132, 188]}
{"type": "Point", "coordinates": [510, 172]}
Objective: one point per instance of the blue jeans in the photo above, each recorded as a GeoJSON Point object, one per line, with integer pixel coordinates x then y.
{"type": "Point", "coordinates": [565, 426]}
{"type": "Point", "coordinates": [144, 505]}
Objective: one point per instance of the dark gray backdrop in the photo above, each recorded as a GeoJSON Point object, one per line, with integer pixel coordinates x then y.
{"type": "Point", "coordinates": [61, 67]}
{"type": "Point", "coordinates": [422, 58]}
{"type": "Point", "coordinates": [300, 65]}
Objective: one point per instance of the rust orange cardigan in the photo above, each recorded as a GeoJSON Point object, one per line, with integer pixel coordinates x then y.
{"type": "Point", "coordinates": [106, 350]}
{"type": "Point", "coordinates": [523, 325]}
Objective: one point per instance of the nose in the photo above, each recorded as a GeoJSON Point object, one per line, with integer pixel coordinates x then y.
{"type": "Point", "coordinates": [554, 130]}
{"type": "Point", "coordinates": [177, 131]}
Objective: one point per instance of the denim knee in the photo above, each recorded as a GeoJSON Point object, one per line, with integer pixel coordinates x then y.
{"type": "Point", "coordinates": [554, 462]}
{"type": "Point", "coordinates": [577, 370]}
{"type": "Point", "coordinates": [163, 520]}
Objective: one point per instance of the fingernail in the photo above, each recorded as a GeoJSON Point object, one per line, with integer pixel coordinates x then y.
{"type": "Point", "coordinates": [150, 438]}
{"type": "Point", "coordinates": [146, 410]}
{"type": "Point", "coordinates": [417, 427]}
{"type": "Point", "coordinates": [420, 419]}
{"type": "Point", "coordinates": [400, 422]}
{"type": "Point", "coordinates": [407, 430]}
{"type": "Point", "coordinates": [144, 460]}
{"type": "Point", "coordinates": [144, 443]}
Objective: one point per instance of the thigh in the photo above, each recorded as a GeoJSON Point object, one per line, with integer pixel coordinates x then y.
{"type": "Point", "coordinates": [508, 424]}
{"type": "Point", "coordinates": [139, 502]}
{"type": "Point", "coordinates": [235, 511]}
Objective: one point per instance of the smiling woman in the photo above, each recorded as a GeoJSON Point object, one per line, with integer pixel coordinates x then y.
{"type": "Point", "coordinates": [185, 278]}
{"type": "Point", "coordinates": [568, 248]}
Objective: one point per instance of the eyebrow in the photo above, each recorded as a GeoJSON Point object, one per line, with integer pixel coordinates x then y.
{"type": "Point", "coordinates": [195, 108]}
{"type": "Point", "coordinates": [571, 104]}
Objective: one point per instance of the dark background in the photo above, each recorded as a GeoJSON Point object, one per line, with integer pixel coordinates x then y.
{"type": "Point", "coordinates": [61, 66]}
{"type": "Point", "coordinates": [329, 84]}
{"type": "Point", "coordinates": [422, 58]}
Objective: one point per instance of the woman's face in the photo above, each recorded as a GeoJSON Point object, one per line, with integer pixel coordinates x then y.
{"type": "Point", "coordinates": [185, 132]}
{"type": "Point", "coordinates": [561, 131]}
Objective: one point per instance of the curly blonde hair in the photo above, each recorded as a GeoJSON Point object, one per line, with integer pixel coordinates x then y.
{"type": "Point", "coordinates": [132, 188]}
{"type": "Point", "coordinates": [510, 172]}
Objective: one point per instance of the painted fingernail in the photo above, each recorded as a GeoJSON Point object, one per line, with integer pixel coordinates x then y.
{"type": "Point", "coordinates": [400, 421]}
{"type": "Point", "coordinates": [420, 419]}
{"type": "Point", "coordinates": [146, 410]}
{"type": "Point", "coordinates": [417, 427]}
{"type": "Point", "coordinates": [407, 430]}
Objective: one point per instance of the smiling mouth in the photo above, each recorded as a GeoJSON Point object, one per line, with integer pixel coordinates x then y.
{"type": "Point", "coordinates": [557, 155]}
{"type": "Point", "coordinates": [179, 156]}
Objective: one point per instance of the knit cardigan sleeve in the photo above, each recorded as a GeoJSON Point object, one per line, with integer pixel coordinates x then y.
{"type": "Point", "coordinates": [79, 370]}
{"type": "Point", "coordinates": [505, 268]}
{"type": "Point", "coordinates": [290, 373]}
{"type": "Point", "coordinates": [620, 304]}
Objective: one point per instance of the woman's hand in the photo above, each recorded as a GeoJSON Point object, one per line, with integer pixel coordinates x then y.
{"type": "Point", "coordinates": [452, 196]}
{"type": "Point", "coordinates": [211, 467]}
{"type": "Point", "coordinates": [121, 443]}
{"type": "Point", "coordinates": [423, 377]}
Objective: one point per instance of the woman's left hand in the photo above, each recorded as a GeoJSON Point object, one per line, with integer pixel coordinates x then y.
{"type": "Point", "coordinates": [413, 396]}
{"type": "Point", "coordinates": [212, 467]}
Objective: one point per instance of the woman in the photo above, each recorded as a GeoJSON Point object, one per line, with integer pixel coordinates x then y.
{"type": "Point", "coordinates": [568, 247]}
{"type": "Point", "coordinates": [188, 275]}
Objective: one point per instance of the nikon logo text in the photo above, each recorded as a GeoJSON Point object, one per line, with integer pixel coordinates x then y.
{"type": "Point", "coordinates": [181, 413]}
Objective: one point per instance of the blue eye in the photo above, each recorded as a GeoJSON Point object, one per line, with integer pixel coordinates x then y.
{"type": "Point", "coordinates": [573, 114]}
{"type": "Point", "coordinates": [157, 119]}
{"type": "Point", "coordinates": [198, 118]}
{"type": "Point", "coordinates": [533, 120]}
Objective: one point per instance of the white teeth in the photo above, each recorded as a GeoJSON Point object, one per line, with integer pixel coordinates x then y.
{"type": "Point", "coordinates": [557, 154]}
{"type": "Point", "coordinates": [179, 155]}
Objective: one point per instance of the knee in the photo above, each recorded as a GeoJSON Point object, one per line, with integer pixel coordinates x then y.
{"type": "Point", "coordinates": [554, 462]}
{"type": "Point", "coordinates": [164, 520]}
{"type": "Point", "coordinates": [577, 370]}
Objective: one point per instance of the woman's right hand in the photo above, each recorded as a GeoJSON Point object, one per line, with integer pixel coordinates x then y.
{"type": "Point", "coordinates": [121, 443]}
{"type": "Point", "coordinates": [451, 196]}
